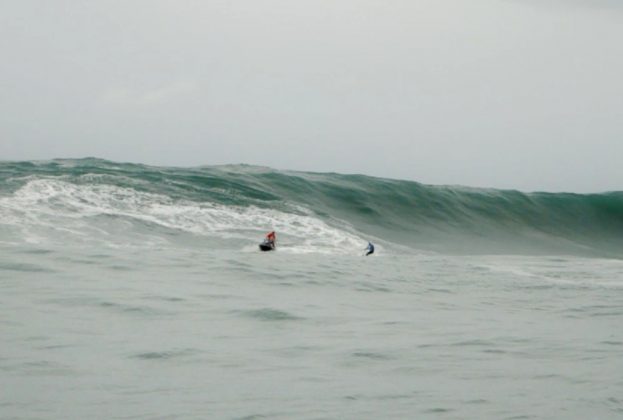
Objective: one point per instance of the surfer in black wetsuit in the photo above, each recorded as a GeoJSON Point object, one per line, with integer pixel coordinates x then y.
{"type": "Point", "coordinates": [369, 249]}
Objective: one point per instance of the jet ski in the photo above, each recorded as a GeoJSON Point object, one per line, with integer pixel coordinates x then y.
{"type": "Point", "coordinates": [267, 246]}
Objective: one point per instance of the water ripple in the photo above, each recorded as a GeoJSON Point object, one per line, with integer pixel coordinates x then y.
{"type": "Point", "coordinates": [269, 314]}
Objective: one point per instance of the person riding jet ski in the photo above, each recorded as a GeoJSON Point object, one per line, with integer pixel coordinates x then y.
{"type": "Point", "coordinates": [269, 243]}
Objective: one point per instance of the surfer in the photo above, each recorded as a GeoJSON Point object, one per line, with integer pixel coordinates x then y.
{"type": "Point", "coordinates": [369, 249]}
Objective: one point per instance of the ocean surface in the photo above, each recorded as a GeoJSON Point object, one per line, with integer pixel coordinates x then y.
{"type": "Point", "coordinates": [138, 292]}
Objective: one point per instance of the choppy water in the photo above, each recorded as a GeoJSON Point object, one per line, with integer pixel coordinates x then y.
{"type": "Point", "coordinates": [129, 292]}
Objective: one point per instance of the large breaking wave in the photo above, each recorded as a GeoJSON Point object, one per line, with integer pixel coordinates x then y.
{"type": "Point", "coordinates": [119, 204]}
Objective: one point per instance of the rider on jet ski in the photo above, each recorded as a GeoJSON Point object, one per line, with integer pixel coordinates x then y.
{"type": "Point", "coordinates": [271, 239]}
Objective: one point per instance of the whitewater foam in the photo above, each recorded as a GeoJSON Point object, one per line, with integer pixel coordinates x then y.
{"type": "Point", "coordinates": [55, 205]}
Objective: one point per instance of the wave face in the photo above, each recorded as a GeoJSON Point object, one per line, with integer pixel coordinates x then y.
{"type": "Point", "coordinates": [93, 201]}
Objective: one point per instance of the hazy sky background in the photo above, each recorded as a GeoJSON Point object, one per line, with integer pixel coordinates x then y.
{"type": "Point", "coordinates": [524, 94]}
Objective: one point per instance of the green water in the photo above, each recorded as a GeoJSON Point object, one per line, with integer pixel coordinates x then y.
{"type": "Point", "coordinates": [442, 219]}
{"type": "Point", "coordinates": [134, 292]}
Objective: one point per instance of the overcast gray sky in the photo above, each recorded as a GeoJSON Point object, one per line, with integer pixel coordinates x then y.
{"type": "Point", "coordinates": [524, 94]}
